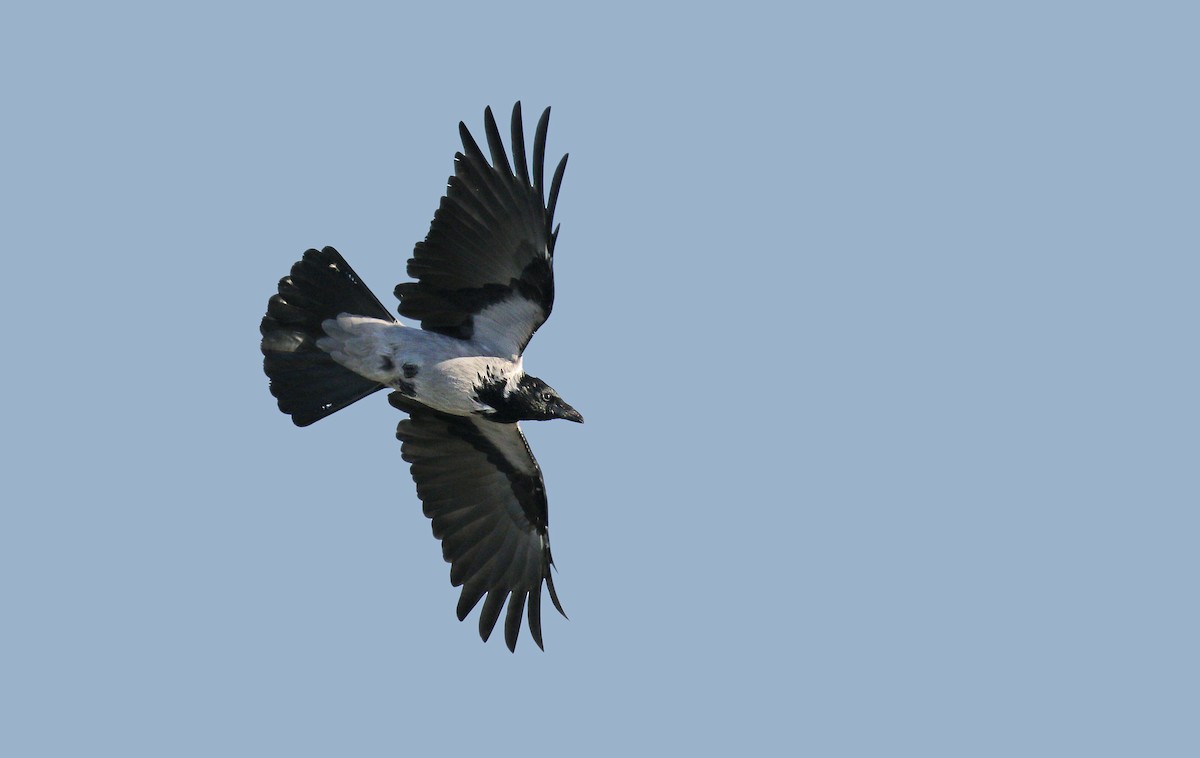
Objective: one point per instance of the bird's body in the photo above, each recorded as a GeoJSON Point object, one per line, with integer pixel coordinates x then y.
{"type": "Point", "coordinates": [438, 371]}
{"type": "Point", "coordinates": [484, 284]}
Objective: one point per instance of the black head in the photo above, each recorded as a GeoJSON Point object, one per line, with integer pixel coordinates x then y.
{"type": "Point", "coordinates": [531, 400]}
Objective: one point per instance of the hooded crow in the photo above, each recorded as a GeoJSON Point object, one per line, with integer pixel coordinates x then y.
{"type": "Point", "coordinates": [484, 283]}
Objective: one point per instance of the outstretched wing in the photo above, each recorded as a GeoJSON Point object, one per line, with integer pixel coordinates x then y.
{"type": "Point", "coordinates": [485, 270]}
{"type": "Point", "coordinates": [480, 484]}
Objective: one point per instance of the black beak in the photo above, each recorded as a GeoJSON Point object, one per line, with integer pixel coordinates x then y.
{"type": "Point", "coordinates": [569, 413]}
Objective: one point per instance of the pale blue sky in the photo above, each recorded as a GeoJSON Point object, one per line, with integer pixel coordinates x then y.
{"type": "Point", "coordinates": [882, 316]}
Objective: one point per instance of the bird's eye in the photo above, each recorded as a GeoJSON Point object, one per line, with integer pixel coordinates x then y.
{"type": "Point", "coordinates": [547, 397]}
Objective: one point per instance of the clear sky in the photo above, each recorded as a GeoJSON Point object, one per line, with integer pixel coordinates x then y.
{"type": "Point", "coordinates": [882, 316]}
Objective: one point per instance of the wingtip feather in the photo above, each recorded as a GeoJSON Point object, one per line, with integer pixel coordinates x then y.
{"type": "Point", "coordinates": [491, 612]}
{"type": "Point", "coordinates": [539, 153]}
{"type": "Point", "coordinates": [495, 143]}
{"type": "Point", "coordinates": [518, 139]}
{"type": "Point", "coordinates": [534, 614]}
{"type": "Point", "coordinates": [512, 620]}
{"type": "Point", "coordinates": [468, 600]}
{"type": "Point", "coordinates": [555, 185]}
{"type": "Point", "coordinates": [554, 596]}
{"type": "Point", "coordinates": [469, 144]}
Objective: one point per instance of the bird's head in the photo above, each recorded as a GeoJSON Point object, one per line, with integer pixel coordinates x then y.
{"type": "Point", "coordinates": [539, 402]}
{"type": "Point", "coordinates": [525, 399]}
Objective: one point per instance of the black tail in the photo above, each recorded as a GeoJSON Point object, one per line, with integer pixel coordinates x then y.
{"type": "Point", "coordinates": [307, 382]}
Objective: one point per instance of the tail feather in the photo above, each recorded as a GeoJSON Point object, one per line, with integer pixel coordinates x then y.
{"type": "Point", "coordinates": [308, 383]}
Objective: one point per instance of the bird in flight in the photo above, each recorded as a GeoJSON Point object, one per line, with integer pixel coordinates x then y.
{"type": "Point", "coordinates": [484, 283]}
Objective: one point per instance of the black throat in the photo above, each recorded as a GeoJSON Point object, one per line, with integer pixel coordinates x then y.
{"type": "Point", "coordinates": [507, 410]}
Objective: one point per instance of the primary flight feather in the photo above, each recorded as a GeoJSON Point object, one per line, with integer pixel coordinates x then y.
{"type": "Point", "coordinates": [484, 283]}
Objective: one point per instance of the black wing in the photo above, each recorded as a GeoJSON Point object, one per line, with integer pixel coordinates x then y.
{"type": "Point", "coordinates": [485, 270]}
{"type": "Point", "coordinates": [480, 484]}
